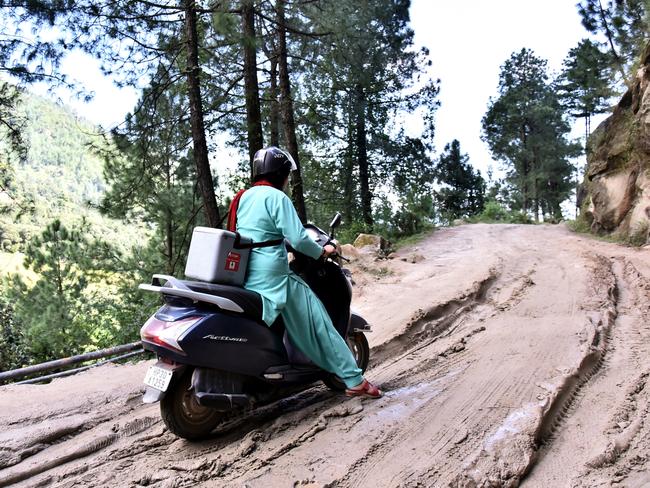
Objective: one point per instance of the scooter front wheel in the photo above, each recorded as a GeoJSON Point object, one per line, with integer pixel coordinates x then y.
{"type": "Point", "coordinates": [183, 415]}
{"type": "Point", "coordinates": [360, 349]}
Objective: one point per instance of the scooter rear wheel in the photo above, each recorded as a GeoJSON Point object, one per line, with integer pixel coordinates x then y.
{"type": "Point", "coordinates": [183, 415]}
{"type": "Point", "coordinates": [360, 349]}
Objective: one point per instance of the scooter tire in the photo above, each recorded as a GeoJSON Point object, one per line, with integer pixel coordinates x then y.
{"type": "Point", "coordinates": [183, 415]}
{"type": "Point", "coordinates": [360, 349]}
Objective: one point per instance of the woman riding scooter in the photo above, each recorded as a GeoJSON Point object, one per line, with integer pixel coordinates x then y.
{"type": "Point", "coordinates": [264, 213]}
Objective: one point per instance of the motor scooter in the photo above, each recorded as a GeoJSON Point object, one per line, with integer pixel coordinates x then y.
{"type": "Point", "coordinates": [217, 358]}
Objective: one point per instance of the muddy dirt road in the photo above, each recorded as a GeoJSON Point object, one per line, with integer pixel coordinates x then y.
{"type": "Point", "coordinates": [509, 355]}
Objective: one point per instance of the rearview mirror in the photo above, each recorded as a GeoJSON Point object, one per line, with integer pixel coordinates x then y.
{"type": "Point", "coordinates": [336, 221]}
{"type": "Point", "coordinates": [334, 224]}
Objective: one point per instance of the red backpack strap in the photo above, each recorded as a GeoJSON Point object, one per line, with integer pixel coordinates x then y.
{"type": "Point", "coordinates": [234, 205]}
{"type": "Point", "coordinates": [232, 211]}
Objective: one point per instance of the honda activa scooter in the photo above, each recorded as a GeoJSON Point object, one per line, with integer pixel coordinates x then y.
{"type": "Point", "coordinates": [217, 358]}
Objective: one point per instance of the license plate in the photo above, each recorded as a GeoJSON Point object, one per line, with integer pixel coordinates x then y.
{"type": "Point", "coordinates": [158, 378]}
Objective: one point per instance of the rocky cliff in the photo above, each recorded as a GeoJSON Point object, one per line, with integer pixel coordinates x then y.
{"type": "Point", "coordinates": [617, 179]}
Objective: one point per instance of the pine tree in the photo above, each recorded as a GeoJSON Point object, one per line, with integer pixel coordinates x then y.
{"type": "Point", "coordinates": [584, 84]}
{"type": "Point", "coordinates": [625, 25]}
{"type": "Point", "coordinates": [52, 312]}
{"type": "Point", "coordinates": [151, 175]}
{"type": "Point", "coordinates": [525, 128]}
{"type": "Point", "coordinates": [462, 189]}
{"type": "Point", "coordinates": [356, 82]}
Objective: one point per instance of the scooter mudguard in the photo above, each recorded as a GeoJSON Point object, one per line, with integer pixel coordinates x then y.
{"type": "Point", "coordinates": [358, 323]}
{"type": "Point", "coordinates": [233, 343]}
{"type": "Point", "coordinates": [152, 395]}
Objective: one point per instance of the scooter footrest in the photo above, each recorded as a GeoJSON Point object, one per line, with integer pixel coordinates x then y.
{"type": "Point", "coordinates": [292, 374]}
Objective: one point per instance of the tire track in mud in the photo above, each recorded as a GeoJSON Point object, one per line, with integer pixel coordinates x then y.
{"type": "Point", "coordinates": [435, 341]}
{"type": "Point", "coordinates": [612, 432]}
{"type": "Point", "coordinates": [422, 335]}
{"type": "Point", "coordinates": [428, 325]}
{"type": "Point", "coordinates": [563, 404]}
{"type": "Point", "coordinates": [36, 467]}
{"type": "Point", "coordinates": [455, 439]}
{"type": "Point", "coordinates": [531, 426]}
{"type": "Point", "coordinates": [445, 316]}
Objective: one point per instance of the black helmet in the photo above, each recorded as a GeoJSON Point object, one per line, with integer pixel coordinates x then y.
{"type": "Point", "coordinates": [272, 160]}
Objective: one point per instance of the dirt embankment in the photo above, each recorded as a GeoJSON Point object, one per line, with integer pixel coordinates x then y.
{"type": "Point", "coordinates": [509, 355]}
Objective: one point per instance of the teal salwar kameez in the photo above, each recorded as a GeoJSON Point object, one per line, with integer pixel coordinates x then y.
{"type": "Point", "coordinates": [265, 214]}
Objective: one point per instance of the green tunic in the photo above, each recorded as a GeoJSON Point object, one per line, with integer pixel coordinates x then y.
{"type": "Point", "coordinates": [265, 214]}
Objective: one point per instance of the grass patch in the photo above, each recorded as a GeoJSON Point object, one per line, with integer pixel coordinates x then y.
{"type": "Point", "coordinates": [411, 240]}
{"type": "Point", "coordinates": [494, 213]}
{"type": "Point", "coordinates": [637, 237]}
{"type": "Point", "coordinates": [580, 226]}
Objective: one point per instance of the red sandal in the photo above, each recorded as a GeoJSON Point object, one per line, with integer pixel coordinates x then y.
{"type": "Point", "coordinates": [365, 389]}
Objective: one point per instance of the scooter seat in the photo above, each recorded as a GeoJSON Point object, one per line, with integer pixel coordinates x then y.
{"type": "Point", "coordinates": [250, 301]}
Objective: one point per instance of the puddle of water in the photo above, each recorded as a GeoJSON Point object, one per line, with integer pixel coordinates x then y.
{"type": "Point", "coordinates": [402, 402]}
{"type": "Point", "coordinates": [515, 423]}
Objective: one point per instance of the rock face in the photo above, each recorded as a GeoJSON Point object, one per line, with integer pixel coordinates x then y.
{"type": "Point", "coordinates": [618, 171]}
{"type": "Point", "coordinates": [375, 243]}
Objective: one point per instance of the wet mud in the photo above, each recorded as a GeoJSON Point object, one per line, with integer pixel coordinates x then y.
{"type": "Point", "coordinates": [510, 355]}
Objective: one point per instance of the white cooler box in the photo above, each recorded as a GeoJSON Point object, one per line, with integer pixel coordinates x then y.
{"type": "Point", "coordinates": [213, 257]}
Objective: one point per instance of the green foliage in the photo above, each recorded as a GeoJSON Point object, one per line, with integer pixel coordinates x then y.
{"type": "Point", "coordinates": [579, 225]}
{"type": "Point", "coordinates": [412, 239]}
{"type": "Point", "coordinates": [56, 312]}
{"type": "Point", "coordinates": [59, 177]}
{"type": "Point", "coordinates": [526, 130]}
{"type": "Point", "coordinates": [462, 191]}
{"type": "Point", "coordinates": [624, 25]}
{"type": "Point", "coordinates": [353, 89]}
{"type": "Point", "coordinates": [584, 84]}
{"type": "Point", "coordinates": [494, 213]}
{"type": "Point", "coordinates": [13, 346]}
{"type": "Point", "coordinates": [638, 235]}
{"type": "Point", "coordinates": [152, 177]}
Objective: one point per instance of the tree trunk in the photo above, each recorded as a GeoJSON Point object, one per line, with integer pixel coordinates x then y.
{"type": "Point", "coordinates": [274, 122]}
{"type": "Point", "coordinates": [609, 35]}
{"type": "Point", "coordinates": [362, 157]}
{"type": "Point", "coordinates": [169, 225]}
{"type": "Point", "coordinates": [526, 171]}
{"type": "Point", "coordinates": [203, 173]}
{"type": "Point", "coordinates": [251, 86]}
{"type": "Point", "coordinates": [348, 190]}
{"type": "Point", "coordinates": [286, 104]}
{"type": "Point", "coordinates": [536, 190]}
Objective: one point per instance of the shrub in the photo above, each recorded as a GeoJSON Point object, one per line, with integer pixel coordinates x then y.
{"type": "Point", "coordinates": [638, 235]}
{"type": "Point", "coordinates": [493, 212]}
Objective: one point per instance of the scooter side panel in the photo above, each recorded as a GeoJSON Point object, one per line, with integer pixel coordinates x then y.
{"type": "Point", "coordinates": [332, 288]}
{"type": "Point", "coordinates": [232, 343]}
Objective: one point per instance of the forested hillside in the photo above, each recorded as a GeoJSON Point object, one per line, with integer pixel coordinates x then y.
{"type": "Point", "coordinates": [61, 175]}
{"type": "Point", "coordinates": [63, 261]}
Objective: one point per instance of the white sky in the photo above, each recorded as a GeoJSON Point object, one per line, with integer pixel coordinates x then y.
{"type": "Point", "coordinates": [469, 40]}
{"type": "Point", "coordinates": [109, 105]}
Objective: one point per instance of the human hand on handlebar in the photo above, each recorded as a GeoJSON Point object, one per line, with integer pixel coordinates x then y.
{"type": "Point", "coordinates": [328, 250]}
